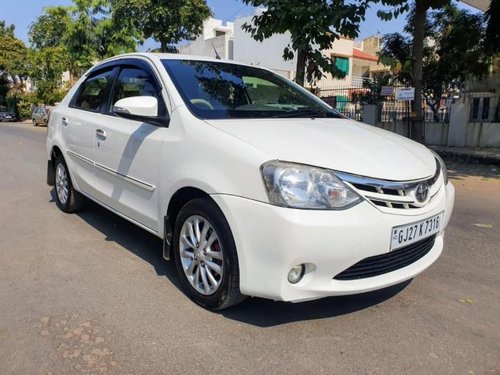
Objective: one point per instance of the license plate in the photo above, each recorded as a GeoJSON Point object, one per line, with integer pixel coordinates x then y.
{"type": "Point", "coordinates": [407, 234]}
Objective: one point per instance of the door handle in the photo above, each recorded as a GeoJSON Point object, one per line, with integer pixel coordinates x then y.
{"type": "Point", "coordinates": [101, 134]}
{"type": "Point", "coordinates": [65, 121]}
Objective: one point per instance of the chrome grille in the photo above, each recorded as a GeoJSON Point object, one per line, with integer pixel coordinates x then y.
{"type": "Point", "coordinates": [393, 194]}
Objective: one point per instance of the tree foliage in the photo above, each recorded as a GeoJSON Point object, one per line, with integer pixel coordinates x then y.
{"type": "Point", "coordinates": [73, 38]}
{"type": "Point", "coordinates": [453, 53]}
{"type": "Point", "coordinates": [49, 29]}
{"type": "Point", "coordinates": [166, 21]}
{"type": "Point", "coordinates": [13, 69]}
{"type": "Point", "coordinates": [12, 52]}
{"type": "Point", "coordinates": [492, 37]}
{"type": "Point", "coordinates": [314, 25]}
{"type": "Point", "coordinates": [93, 35]}
{"type": "Point", "coordinates": [47, 66]}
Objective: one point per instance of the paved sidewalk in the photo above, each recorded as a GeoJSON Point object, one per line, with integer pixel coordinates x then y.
{"type": "Point", "coordinates": [488, 156]}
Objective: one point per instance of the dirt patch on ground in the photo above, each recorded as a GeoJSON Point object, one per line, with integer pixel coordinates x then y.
{"type": "Point", "coordinates": [80, 341]}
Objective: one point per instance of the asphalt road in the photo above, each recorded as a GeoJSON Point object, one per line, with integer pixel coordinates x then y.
{"type": "Point", "coordinates": [89, 293]}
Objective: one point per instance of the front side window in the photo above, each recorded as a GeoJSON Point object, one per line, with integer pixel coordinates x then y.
{"type": "Point", "coordinates": [133, 82]}
{"type": "Point", "coordinates": [218, 90]}
{"type": "Point", "coordinates": [92, 94]}
{"type": "Point", "coordinates": [136, 82]}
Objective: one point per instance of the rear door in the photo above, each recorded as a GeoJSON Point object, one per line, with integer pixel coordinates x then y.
{"type": "Point", "coordinates": [78, 126]}
{"type": "Point", "coordinates": [128, 153]}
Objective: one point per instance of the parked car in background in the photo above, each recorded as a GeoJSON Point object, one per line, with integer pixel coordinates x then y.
{"type": "Point", "coordinates": [257, 187]}
{"type": "Point", "coordinates": [40, 115]}
{"type": "Point", "coordinates": [7, 115]}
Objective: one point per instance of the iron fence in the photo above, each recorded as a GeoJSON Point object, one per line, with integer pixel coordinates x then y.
{"type": "Point", "coordinates": [345, 100]}
{"type": "Point", "coordinates": [351, 100]}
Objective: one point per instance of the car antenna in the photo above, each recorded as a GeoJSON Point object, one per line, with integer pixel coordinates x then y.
{"type": "Point", "coordinates": [217, 56]}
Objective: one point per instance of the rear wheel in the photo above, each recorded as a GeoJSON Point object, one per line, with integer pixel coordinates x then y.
{"type": "Point", "coordinates": [67, 198]}
{"type": "Point", "coordinates": [205, 255]}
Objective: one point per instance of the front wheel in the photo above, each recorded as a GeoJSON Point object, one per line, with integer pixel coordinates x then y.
{"type": "Point", "coordinates": [205, 255]}
{"type": "Point", "coordinates": [67, 198]}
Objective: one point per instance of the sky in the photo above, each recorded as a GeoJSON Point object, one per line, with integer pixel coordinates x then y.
{"type": "Point", "coordinates": [22, 13]}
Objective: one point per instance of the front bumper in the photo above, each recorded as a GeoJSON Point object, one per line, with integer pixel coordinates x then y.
{"type": "Point", "coordinates": [271, 240]}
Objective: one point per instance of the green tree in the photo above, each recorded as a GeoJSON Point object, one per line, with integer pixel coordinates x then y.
{"type": "Point", "coordinates": [49, 57]}
{"type": "Point", "coordinates": [166, 21]}
{"type": "Point", "coordinates": [313, 26]}
{"type": "Point", "coordinates": [492, 38]}
{"type": "Point", "coordinates": [47, 66]}
{"type": "Point", "coordinates": [49, 29]}
{"type": "Point", "coordinates": [13, 69]}
{"type": "Point", "coordinates": [454, 52]}
{"type": "Point", "coordinates": [112, 38]}
{"type": "Point", "coordinates": [85, 31]}
{"type": "Point", "coordinates": [12, 52]}
{"type": "Point", "coordinates": [95, 34]}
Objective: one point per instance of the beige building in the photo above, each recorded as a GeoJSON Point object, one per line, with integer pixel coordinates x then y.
{"type": "Point", "coordinates": [358, 59]}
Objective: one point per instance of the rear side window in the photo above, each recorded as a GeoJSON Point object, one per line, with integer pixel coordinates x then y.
{"type": "Point", "coordinates": [92, 94]}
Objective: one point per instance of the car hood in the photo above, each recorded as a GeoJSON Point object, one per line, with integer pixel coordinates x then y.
{"type": "Point", "coordinates": [339, 144]}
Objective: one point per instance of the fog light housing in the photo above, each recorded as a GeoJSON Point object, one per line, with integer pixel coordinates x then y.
{"type": "Point", "coordinates": [296, 274]}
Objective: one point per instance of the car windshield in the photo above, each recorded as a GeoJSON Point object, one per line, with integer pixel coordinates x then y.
{"type": "Point", "coordinates": [219, 90]}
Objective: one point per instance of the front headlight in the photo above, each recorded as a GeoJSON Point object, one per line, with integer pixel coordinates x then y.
{"type": "Point", "coordinates": [302, 186]}
{"type": "Point", "coordinates": [444, 170]}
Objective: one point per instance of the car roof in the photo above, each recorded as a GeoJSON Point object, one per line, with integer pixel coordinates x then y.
{"type": "Point", "coordinates": [170, 56]}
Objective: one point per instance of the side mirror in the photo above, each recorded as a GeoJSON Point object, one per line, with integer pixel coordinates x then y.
{"type": "Point", "coordinates": [140, 108]}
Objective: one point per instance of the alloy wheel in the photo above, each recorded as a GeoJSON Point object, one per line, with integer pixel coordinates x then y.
{"type": "Point", "coordinates": [201, 255]}
{"type": "Point", "coordinates": [62, 183]}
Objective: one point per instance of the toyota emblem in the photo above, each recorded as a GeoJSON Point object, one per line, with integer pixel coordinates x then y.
{"type": "Point", "coordinates": [421, 192]}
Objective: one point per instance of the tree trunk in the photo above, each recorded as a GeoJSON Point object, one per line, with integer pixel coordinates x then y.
{"type": "Point", "coordinates": [71, 77]}
{"type": "Point", "coordinates": [163, 46]}
{"type": "Point", "coordinates": [417, 130]}
{"type": "Point", "coordinates": [301, 68]}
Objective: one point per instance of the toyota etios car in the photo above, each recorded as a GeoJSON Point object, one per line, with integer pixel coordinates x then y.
{"type": "Point", "coordinates": [257, 187]}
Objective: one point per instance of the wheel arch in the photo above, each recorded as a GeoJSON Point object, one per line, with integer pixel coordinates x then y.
{"type": "Point", "coordinates": [177, 201]}
{"type": "Point", "coordinates": [55, 152]}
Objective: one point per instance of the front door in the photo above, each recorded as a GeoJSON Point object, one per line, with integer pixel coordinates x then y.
{"type": "Point", "coordinates": [128, 153]}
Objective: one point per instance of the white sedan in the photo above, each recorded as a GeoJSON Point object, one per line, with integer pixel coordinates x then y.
{"type": "Point", "coordinates": [256, 186]}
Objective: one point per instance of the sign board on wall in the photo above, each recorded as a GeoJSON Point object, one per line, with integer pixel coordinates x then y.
{"type": "Point", "coordinates": [405, 93]}
{"type": "Point", "coordinates": [387, 90]}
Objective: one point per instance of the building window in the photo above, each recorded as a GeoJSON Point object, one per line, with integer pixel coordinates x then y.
{"type": "Point", "coordinates": [486, 109]}
{"type": "Point", "coordinates": [475, 108]}
{"type": "Point", "coordinates": [342, 64]}
{"type": "Point", "coordinates": [480, 108]}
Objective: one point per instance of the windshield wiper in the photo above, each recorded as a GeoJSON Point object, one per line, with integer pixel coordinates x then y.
{"type": "Point", "coordinates": [305, 113]}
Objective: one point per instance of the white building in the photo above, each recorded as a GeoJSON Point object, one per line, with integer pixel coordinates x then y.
{"type": "Point", "coordinates": [268, 53]}
{"type": "Point", "coordinates": [215, 37]}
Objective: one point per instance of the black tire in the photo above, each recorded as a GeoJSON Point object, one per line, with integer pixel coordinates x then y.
{"type": "Point", "coordinates": [228, 292]}
{"type": "Point", "coordinates": [74, 200]}
{"type": "Point", "coordinates": [34, 122]}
